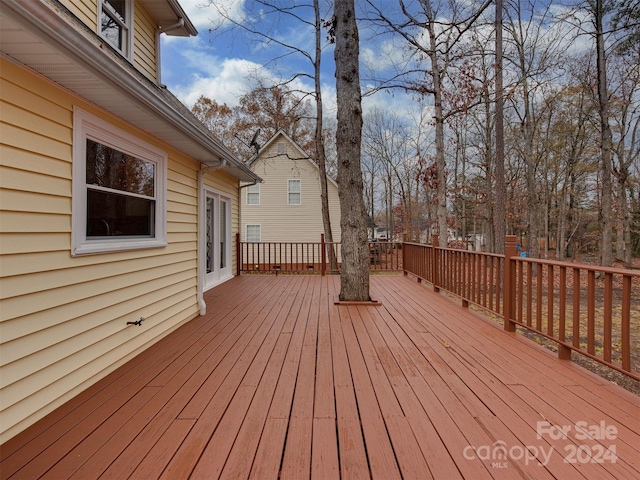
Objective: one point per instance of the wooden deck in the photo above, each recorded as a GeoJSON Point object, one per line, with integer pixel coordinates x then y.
{"type": "Point", "coordinates": [278, 382]}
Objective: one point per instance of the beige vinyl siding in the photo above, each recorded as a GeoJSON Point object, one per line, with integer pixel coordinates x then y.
{"type": "Point", "coordinates": [144, 32]}
{"type": "Point", "coordinates": [85, 10]}
{"type": "Point", "coordinates": [63, 319]}
{"type": "Point", "coordinates": [144, 42]}
{"type": "Point", "coordinates": [281, 222]}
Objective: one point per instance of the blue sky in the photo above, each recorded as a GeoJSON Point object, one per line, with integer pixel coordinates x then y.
{"type": "Point", "coordinates": [223, 66]}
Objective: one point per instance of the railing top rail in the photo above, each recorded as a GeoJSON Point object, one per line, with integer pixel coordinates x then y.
{"type": "Point", "coordinates": [581, 265]}
{"type": "Point", "coordinates": [630, 272]}
{"type": "Point", "coordinates": [488, 254]}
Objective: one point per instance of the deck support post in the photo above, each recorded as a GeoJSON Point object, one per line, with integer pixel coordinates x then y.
{"type": "Point", "coordinates": [508, 282]}
{"type": "Point", "coordinates": [564, 352]}
{"type": "Point", "coordinates": [435, 242]}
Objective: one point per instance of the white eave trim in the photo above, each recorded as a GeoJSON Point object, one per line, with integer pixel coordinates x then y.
{"type": "Point", "coordinates": [47, 24]}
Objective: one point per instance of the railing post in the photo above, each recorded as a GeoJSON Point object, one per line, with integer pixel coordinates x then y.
{"type": "Point", "coordinates": [404, 254]}
{"type": "Point", "coordinates": [323, 255]}
{"type": "Point", "coordinates": [238, 254]}
{"type": "Point", "coordinates": [509, 282]}
{"type": "Point", "coordinates": [435, 243]}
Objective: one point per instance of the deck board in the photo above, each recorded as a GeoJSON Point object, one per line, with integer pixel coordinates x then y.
{"type": "Point", "coordinates": [276, 381]}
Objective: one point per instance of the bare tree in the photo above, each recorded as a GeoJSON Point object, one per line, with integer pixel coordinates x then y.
{"type": "Point", "coordinates": [269, 109]}
{"type": "Point", "coordinates": [354, 274]}
{"type": "Point", "coordinates": [626, 147]}
{"type": "Point", "coordinates": [535, 56]}
{"type": "Point", "coordinates": [431, 35]}
{"type": "Point", "coordinates": [596, 9]}
{"type": "Point", "coordinates": [499, 225]}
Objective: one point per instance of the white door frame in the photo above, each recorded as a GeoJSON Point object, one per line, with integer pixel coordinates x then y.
{"type": "Point", "coordinates": [219, 270]}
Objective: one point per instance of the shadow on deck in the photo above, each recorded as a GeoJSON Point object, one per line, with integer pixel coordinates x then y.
{"type": "Point", "coordinates": [276, 381]}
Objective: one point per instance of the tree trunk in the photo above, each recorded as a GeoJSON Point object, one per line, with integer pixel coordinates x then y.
{"type": "Point", "coordinates": [606, 207]}
{"type": "Point", "coordinates": [440, 158]}
{"type": "Point", "coordinates": [321, 157]}
{"type": "Point", "coordinates": [354, 276]}
{"type": "Point", "coordinates": [499, 225]}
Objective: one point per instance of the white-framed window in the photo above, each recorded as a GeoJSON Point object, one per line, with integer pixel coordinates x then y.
{"type": "Point", "coordinates": [119, 185]}
{"type": "Point", "coordinates": [281, 147]}
{"type": "Point", "coordinates": [294, 192]}
{"type": "Point", "coordinates": [116, 24]}
{"type": "Point", "coordinates": [253, 194]}
{"type": "Point", "coordinates": [252, 233]}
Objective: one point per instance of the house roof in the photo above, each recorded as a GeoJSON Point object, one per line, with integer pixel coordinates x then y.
{"type": "Point", "coordinates": [169, 13]}
{"type": "Point", "coordinates": [303, 156]}
{"type": "Point", "coordinates": [45, 36]}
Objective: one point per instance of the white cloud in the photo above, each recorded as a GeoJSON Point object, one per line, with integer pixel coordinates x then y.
{"type": "Point", "coordinates": [223, 81]}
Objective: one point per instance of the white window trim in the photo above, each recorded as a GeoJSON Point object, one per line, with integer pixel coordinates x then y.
{"type": "Point", "coordinates": [289, 191]}
{"type": "Point", "coordinates": [246, 232]}
{"type": "Point", "coordinates": [127, 51]}
{"type": "Point", "coordinates": [247, 194]}
{"type": "Point", "coordinates": [86, 125]}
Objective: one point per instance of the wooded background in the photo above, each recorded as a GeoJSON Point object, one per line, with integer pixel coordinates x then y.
{"type": "Point", "coordinates": [571, 121]}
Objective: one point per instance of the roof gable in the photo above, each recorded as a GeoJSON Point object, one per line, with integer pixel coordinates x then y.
{"type": "Point", "coordinates": [300, 154]}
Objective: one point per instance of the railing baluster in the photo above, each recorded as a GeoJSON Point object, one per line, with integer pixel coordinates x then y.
{"type": "Point", "coordinates": [625, 327]}
{"type": "Point", "coordinates": [591, 311]}
{"type": "Point", "coordinates": [539, 297]}
{"type": "Point", "coordinates": [550, 299]}
{"type": "Point", "coordinates": [576, 307]}
{"type": "Point", "coordinates": [521, 267]}
{"type": "Point", "coordinates": [606, 336]}
{"type": "Point", "coordinates": [562, 304]}
{"type": "Point", "coordinates": [529, 294]}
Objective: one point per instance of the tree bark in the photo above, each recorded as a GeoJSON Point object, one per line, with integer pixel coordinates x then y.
{"type": "Point", "coordinates": [354, 276]}
{"type": "Point", "coordinates": [319, 140]}
{"type": "Point", "coordinates": [499, 225]}
{"type": "Point", "coordinates": [606, 141]}
{"type": "Point", "coordinates": [441, 164]}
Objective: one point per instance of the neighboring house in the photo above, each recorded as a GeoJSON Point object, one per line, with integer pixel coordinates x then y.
{"type": "Point", "coordinates": [286, 207]}
{"type": "Point", "coordinates": [381, 234]}
{"type": "Point", "coordinates": [117, 205]}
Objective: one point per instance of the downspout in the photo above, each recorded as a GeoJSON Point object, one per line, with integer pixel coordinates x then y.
{"type": "Point", "coordinates": [240, 209]}
{"type": "Point", "coordinates": [202, 225]}
{"type": "Point", "coordinates": [160, 31]}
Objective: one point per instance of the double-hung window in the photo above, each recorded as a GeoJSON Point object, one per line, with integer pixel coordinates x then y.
{"type": "Point", "coordinates": [253, 233]}
{"type": "Point", "coordinates": [119, 184]}
{"type": "Point", "coordinates": [253, 194]}
{"type": "Point", "coordinates": [294, 192]}
{"type": "Point", "coordinates": [116, 24]}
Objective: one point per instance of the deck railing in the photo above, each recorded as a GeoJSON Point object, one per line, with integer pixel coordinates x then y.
{"type": "Point", "coordinates": [585, 308]}
{"type": "Point", "coordinates": [310, 257]}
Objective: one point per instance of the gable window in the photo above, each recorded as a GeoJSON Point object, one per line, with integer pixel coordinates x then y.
{"type": "Point", "coordinates": [253, 194]}
{"type": "Point", "coordinates": [118, 189]}
{"type": "Point", "coordinates": [116, 18]}
{"type": "Point", "coordinates": [253, 233]}
{"type": "Point", "coordinates": [281, 147]}
{"type": "Point", "coordinates": [294, 192]}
